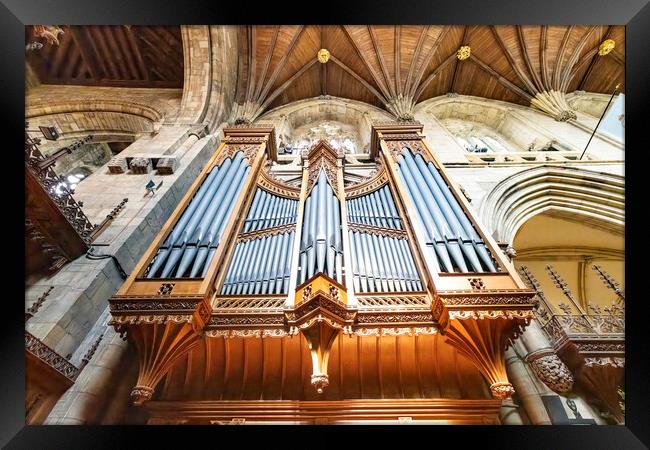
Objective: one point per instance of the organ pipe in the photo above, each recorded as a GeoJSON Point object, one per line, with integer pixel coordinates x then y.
{"type": "Point", "coordinates": [449, 233]}
{"type": "Point", "coordinates": [262, 265]}
{"type": "Point", "coordinates": [381, 262]}
{"type": "Point", "coordinates": [191, 245]}
{"type": "Point", "coordinates": [321, 246]}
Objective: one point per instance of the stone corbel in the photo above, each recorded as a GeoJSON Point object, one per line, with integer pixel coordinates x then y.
{"type": "Point", "coordinates": [553, 103]}
{"type": "Point", "coordinates": [321, 314]}
{"type": "Point", "coordinates": [551, 370]}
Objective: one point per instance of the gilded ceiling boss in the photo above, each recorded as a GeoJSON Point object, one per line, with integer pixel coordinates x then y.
{"type": "Point", "coordinates": [325, 224]}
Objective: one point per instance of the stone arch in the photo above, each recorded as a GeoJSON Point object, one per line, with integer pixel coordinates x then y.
{"type": "Point", "coordinates": [593, 198]}
{"type": "Point", "coordinates": [511, 122]}
{"type": "Point", "coordinates": [346, 112]}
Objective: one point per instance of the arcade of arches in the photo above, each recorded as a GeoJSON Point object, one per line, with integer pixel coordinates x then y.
{"type": "Point", "coordinates": [325, 225]}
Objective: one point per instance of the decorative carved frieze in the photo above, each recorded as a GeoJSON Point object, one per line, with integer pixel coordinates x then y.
{"type": "Point", "coordinates": [45, 354]}
{"type": "Point", "coordinates": [393, 331]}
{"type": "Point", "coordinates": [381, 231]}
{"type": "Point", "coordinates": [250, 303]}
{"type": "Point", "coordinates": [277, 187]}
{"type": "Point", "coordinates": [257, 234]}
{"type": "Point", "coordinates": [50, 182]}
{"type": "Point", "coordinates": [231, 149]}
{"type": "Point", "coordinates": [392, 301]}
{"type": "Point", "coordinates": [376, 182]}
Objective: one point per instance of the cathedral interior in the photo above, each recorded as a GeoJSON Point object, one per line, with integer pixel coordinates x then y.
{"type": "Point", "coordinates": [324, 224]}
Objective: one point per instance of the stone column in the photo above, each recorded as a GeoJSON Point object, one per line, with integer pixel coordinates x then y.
{"type": "Point", "coordinates": [526, 389]}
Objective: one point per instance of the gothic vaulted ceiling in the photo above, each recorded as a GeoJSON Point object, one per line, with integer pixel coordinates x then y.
{"type": "Point", "coordinates": [394, 67]}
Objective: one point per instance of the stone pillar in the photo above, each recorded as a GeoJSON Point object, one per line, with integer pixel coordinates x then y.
{"type": "Point", "coordinates": [84, 402]}
{"type": "Point", "coordinates": [526, 389]}
{"type": "Point", "coordinates": [509, 413]}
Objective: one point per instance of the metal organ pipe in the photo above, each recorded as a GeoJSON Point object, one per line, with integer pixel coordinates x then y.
{"type": "Point", "coordinates": [449, 229]}
{"type": "Point", "coordinates": [321, 249]}
{"type": "Point", "coordinates": [183, 239]}
{"type": "Point", "coordinates": [261, 266]}
{"type": "Point", "coordinates": [381, 262]}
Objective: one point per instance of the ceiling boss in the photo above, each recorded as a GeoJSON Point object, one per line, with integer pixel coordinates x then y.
{"type": "Point", "coordinates": [606, 47]}
{"type": "Point", "coordinates": [323, 55]}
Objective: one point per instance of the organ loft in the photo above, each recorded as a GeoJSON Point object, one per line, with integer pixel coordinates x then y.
{"type": "Point", "coordinates": [324, 225]}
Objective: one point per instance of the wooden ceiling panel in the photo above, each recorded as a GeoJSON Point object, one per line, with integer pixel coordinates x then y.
{"type": "Point", "coordinates": [122, 56]}
{"type": "Point", "coordinates": [374, 64]}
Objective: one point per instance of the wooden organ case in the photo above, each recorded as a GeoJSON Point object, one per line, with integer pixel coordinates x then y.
{"type": "Point", "coordinates": [378, 302]}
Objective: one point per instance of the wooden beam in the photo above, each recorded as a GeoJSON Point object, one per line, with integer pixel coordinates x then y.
{"type": "Point", "coordinates": [108, 82]}
{"type": "Point", "coordinates": [72, 62]}
{"type": "Point", "coordinates": [529, 85]}
{"type": "Point", "coordinates": [135, 49]}
{"type": "Point", "coordinates": [323, 70]}
{"type": "Point", "coordinates": [504, 81]}
{"type": "Point", "coordinates": [126, 51]}
{"type": "Point", "coordinates": [380, 58]}
{"type": "Point", "coordinates": [60, 55]}
{"type": "Point", "coordinates": [382, 87]}
{"type": "Point", "coordinates": [416, 56]}
{"type": "Point", "coordinates": [252, 60]}
{"type": "Point", "coordinates": [423, 67]}
{"type": "Point", "coordinates": [594, 57]}
{"type": "Point", "coordinates": [453, 78]}
{"type": "Point", "coordinates": [359, 79]}
{"type": "Point", "coordinates": [105, 54]}
{"type": "Point", "coordinates": [280, 65]}
{"type": "Point", "coordinates": [558, 61]}
{"type": "Point", "coordinates": [543, 43]}
{"type": "Point", "coordinates": [433, 74]}
{"type": "Point", "coordinates": [116, 53]}
{"type": "Point", "coordinates": [566, 75]}
{"type": "Point", "coordinates": [398, 62]}
{"type": "Point", "coordinates": [87, 53]}
{"type": "Point", "coordinates": [267, 61]}
{"type": "Point", "coordinates": [286, 84]}
{"type": "Point", "coordinates": [529, 64]}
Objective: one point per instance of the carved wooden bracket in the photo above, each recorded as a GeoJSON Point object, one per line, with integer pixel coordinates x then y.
{"type": "Point", "coordinates": [162, 330]}
{"type": "Point", "coordinates": [598, 366]}
{"type": "Point", "coordinates": [484, 342]}
{"type": "Point", "coordinates": [320, 314]}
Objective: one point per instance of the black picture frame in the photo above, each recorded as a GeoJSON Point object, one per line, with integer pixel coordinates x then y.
{"type": "Point", "coordinates": [635, 14]}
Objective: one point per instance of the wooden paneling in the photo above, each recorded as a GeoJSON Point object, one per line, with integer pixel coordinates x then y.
{"type": "Point", "coordinates": [389, 367]}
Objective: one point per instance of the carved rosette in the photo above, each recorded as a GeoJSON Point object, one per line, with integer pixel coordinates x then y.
{"type": "Point", "coordinates": [552, 371]}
